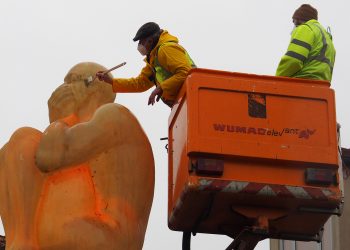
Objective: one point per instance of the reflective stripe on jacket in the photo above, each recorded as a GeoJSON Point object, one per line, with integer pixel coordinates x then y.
{"type": "Point", "coordinates": [310, 54]}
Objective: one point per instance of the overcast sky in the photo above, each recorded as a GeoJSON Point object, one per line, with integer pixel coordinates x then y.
{"type": "Point", "coordinates": [41, 40]}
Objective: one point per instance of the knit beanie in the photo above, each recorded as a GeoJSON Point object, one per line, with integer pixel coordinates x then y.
{"type": "Point", "coordinates": [305, 13]}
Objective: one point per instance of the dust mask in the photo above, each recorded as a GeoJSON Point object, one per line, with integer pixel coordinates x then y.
{"type": "Point", "coordinates": [142, 49]}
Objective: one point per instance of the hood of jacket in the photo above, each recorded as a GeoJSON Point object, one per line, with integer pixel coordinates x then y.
{"type": "Point", "coordinates": [164, 38]}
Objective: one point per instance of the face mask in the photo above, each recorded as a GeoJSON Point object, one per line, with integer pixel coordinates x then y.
{"type": "Point", "coordinates": [142, 49]}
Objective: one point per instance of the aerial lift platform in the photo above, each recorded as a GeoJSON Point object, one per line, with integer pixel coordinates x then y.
{"type": "Point", "coordinates": [253, 157]}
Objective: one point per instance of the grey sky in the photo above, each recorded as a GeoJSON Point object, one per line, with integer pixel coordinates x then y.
{"type": "Point", "coordinates": [41, 40]}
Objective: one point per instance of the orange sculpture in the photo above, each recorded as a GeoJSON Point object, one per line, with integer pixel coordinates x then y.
{"type": "Point", "coordinates": [87, 182]}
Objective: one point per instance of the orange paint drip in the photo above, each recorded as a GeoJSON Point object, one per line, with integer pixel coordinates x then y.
{"type": "Point", "coordinates": [71, 120]}
{"type": "Point", "coordinates": [82, 172]}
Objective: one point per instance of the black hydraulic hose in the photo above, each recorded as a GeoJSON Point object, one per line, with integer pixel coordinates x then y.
{"type": "Point", "coordinates": [2, 242]}
{"type": "Point", "coordinates": [186, 241]}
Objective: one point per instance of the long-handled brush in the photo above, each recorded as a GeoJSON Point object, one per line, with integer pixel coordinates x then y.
{"type": "Point", "coordinates": [91, 79]}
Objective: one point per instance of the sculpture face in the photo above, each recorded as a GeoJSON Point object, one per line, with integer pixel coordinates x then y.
{"type": "Point", "coordinates": [61, 103]}
{"type": "Point", "coordinates": [74, 94]}
{"type": "Point", "coordinates": [78, 185]}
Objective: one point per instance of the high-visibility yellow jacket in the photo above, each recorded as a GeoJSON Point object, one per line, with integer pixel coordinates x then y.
{"type": "Point", "coordinates": [167, 66]}
{"type": "Point", "coordinates": [310, 54]}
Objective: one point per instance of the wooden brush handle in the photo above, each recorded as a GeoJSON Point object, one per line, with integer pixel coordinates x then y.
{"type": "Point", "coordinates": [109, 70]}
{"type": "Point", "coordinates": [115, 67]}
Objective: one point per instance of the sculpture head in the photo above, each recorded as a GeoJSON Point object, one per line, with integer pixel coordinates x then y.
{"type": "Point", "coordinates": [73, 95]}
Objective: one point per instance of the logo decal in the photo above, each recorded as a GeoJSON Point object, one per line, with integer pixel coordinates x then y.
{"type": "Point", "coordinates": [301, 133]}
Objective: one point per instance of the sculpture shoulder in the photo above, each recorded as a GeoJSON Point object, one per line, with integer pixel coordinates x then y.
{"type": "Point", "coordinates": [115, 119]}
{"type": "Point", "coordinates": [112, 107]}
{"type": "Point", "coordinates": [25, 133]}
{"type": "Point", "coordinates": [20, 139]}
{"type": "Point", "coordinates": [114, 112]}
{"type": "Point", "coordinates": [2, 153]}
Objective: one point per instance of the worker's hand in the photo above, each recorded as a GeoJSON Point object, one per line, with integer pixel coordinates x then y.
{"type": "Point", "coordinates": [156, 93]}
{"type": "Point", "coordinates": [104, 77]}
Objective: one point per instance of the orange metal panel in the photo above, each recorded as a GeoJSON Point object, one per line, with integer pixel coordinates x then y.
{"type": "Point", "coordinates": [220, 123]}
{"type": "Point", "coordinates": [267, 131]}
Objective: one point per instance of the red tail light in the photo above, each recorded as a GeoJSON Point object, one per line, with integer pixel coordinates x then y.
{"type": "Point", "coordinates": [209, 167]}
{"type": "Point", "coordinates": [317, 176]}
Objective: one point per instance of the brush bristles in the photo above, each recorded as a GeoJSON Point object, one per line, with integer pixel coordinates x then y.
{"type": "Point", "coordinates": [88, 80]}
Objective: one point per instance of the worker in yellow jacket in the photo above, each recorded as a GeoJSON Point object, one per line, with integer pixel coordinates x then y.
{"type": "Point", "coordinates": [311, 53]}
{"type": "Point", "coordinates": [167, 66]}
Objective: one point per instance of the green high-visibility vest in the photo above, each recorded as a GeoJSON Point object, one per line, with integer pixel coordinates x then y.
{"type": "Point", "coordinates": [162, 74]}
{"type": "Point", "coordinates": [310, 54]}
